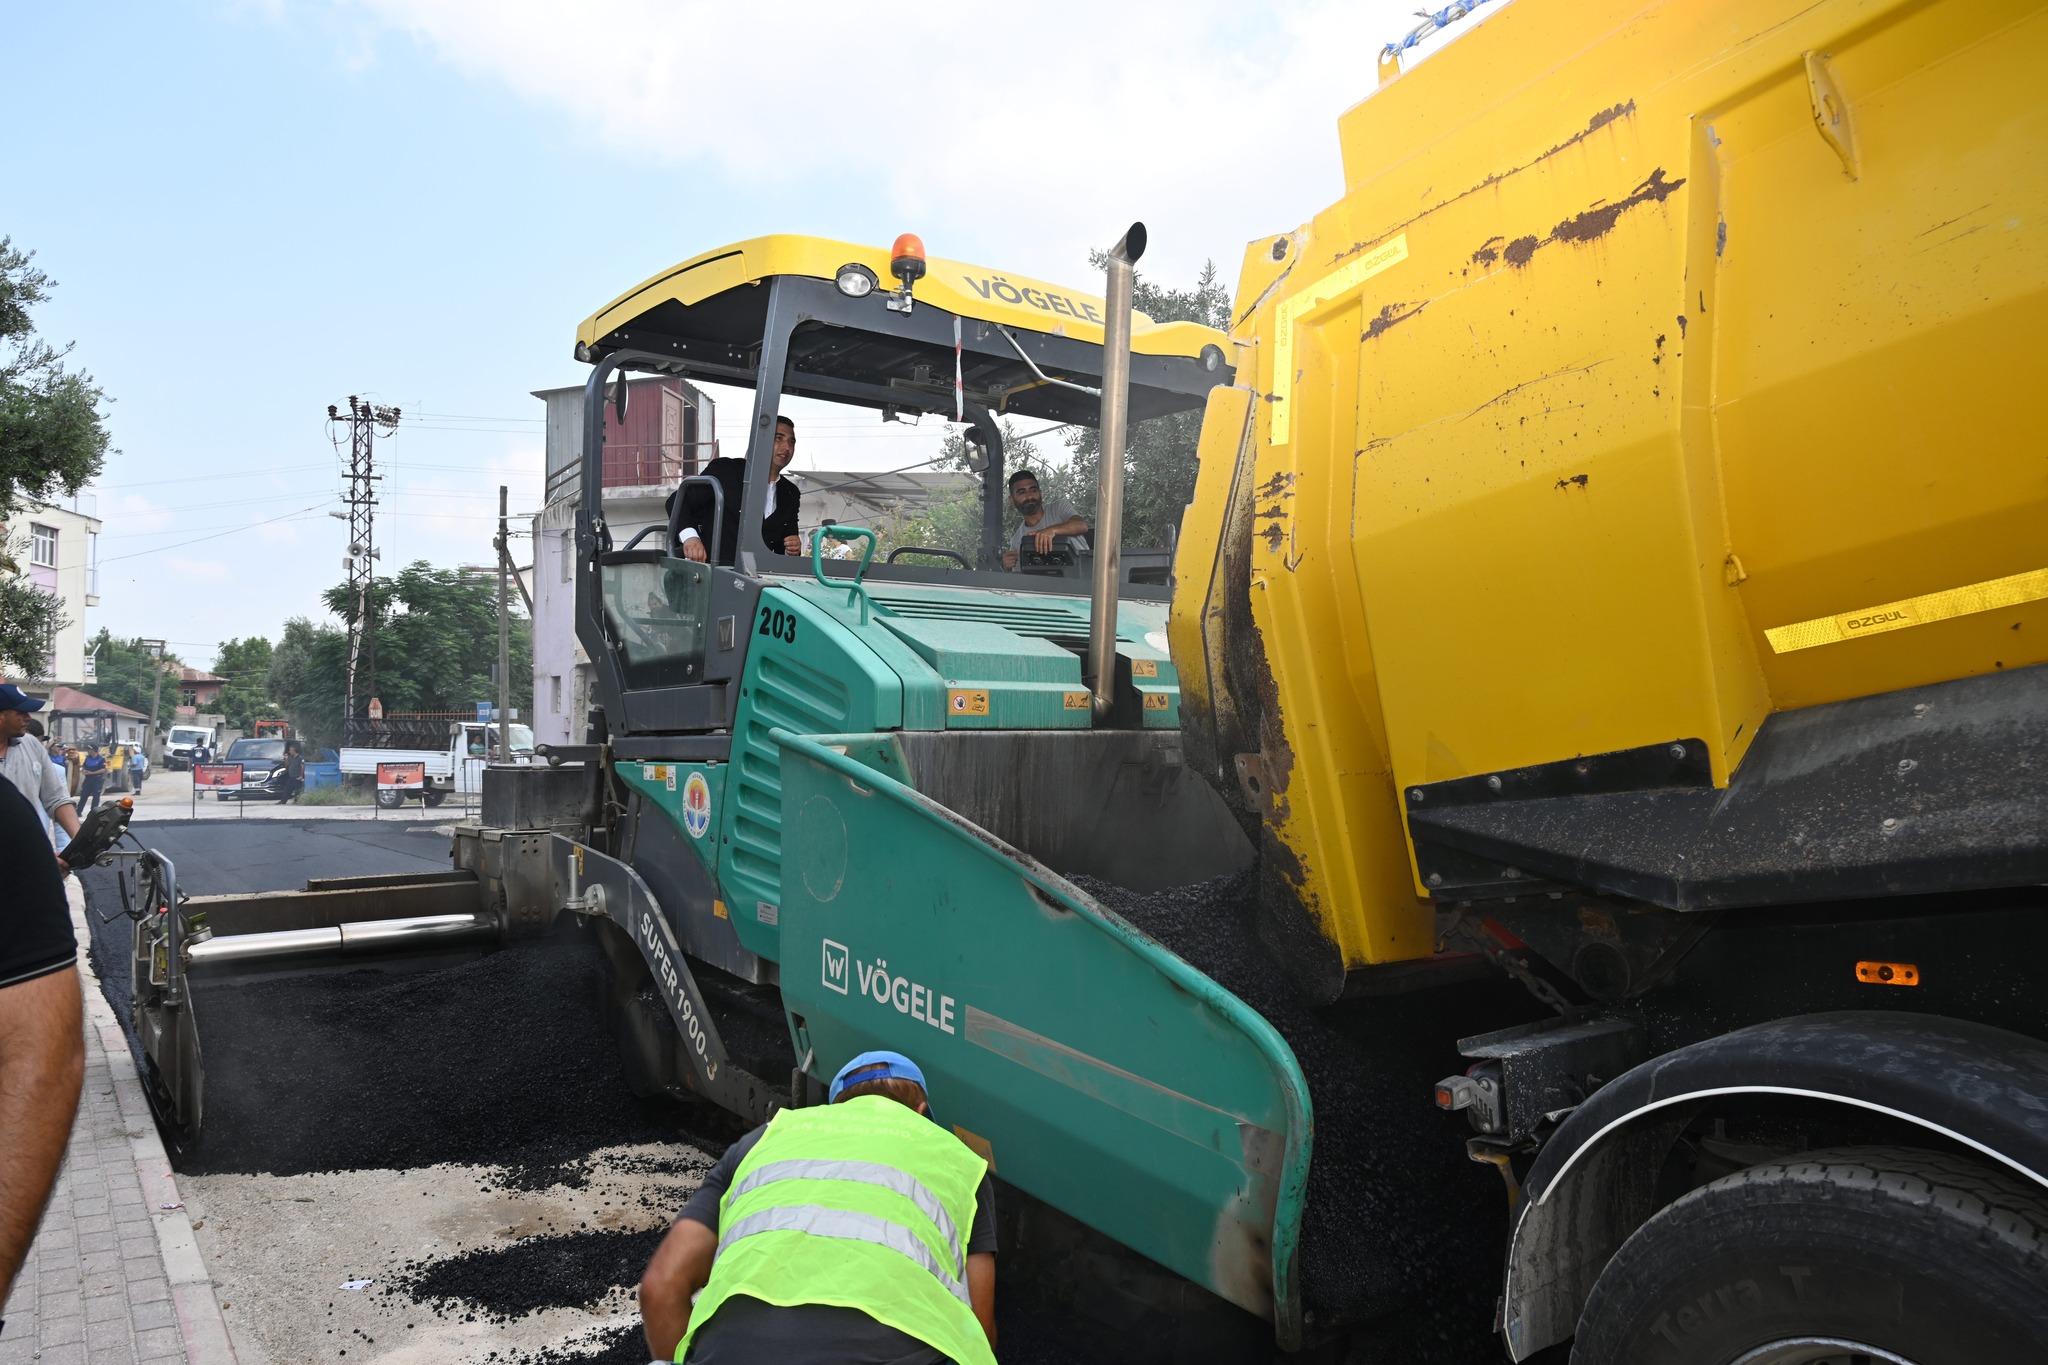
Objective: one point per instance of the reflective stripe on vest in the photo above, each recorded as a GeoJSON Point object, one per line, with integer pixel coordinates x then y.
{"type": "Point", "coordinates": [862, 1173]}
{"type": "Point", "coordinates": [851, 1227]}
{"type": "Point", "coordinates": [864, 1204]}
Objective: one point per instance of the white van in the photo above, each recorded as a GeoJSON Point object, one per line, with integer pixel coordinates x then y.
{"type": "Point", "coordinates": [179, 741]}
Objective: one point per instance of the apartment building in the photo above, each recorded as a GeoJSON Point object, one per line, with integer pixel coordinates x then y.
{"type": "Point", "coordinates": [56, 546]}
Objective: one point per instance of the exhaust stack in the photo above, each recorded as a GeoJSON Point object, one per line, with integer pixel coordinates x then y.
{"type": "Point", "coordinates": [1109, 474]}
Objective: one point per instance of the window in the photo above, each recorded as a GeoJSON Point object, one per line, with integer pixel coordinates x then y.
{"type": "Point", "coordinates": [555, 694]}
{"type": "Point", "coordinates": [42, 545]}
{"type": "Point", "coordinates": [568, 555]}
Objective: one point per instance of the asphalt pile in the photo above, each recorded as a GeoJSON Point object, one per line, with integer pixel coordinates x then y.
{"type": "Point", "coordinates": [499, 1061]}
{"type": "Point", "coordinates": [501, 1283]}
{"type": "Point", "coordinates": [1400, 1230]}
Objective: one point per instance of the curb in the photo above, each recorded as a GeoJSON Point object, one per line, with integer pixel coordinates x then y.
{"type": "Point", "coordinates": [200, 1322]}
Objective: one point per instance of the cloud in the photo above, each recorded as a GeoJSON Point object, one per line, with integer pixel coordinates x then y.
{"type": "Point", "coordinates": [1037, 137]}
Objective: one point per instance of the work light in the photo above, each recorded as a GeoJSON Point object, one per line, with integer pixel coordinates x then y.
{"type": "Point", "coordinates": [856, 281]}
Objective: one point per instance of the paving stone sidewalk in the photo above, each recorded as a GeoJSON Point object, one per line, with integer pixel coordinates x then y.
{"type": "Point", "coordinates": [114, 1276]}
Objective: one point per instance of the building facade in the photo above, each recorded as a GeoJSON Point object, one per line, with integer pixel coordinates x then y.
{"type": "Point", "coordinates": [198, 690]}
{"type": "Point", "coordinates": [56, 546]}
{"type": "Point", "coordinates": [670, 431]}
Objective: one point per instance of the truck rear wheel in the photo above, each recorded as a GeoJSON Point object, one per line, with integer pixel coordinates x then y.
{"type": "Point", "coordinates": [1865, 1254]}
{"type": "Point", "coordinates": [390, 800]}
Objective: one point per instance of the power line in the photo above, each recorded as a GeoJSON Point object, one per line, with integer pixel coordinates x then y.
{"type": "Point", "coordinates": [226, 474]}
{"type": "Point", "coordinates": [248, 526]}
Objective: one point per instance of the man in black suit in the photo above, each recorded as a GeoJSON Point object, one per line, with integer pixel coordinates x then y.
{"type": "Point", "coordinates": [778, 527]}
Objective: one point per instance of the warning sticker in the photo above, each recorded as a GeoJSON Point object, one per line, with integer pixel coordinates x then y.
{"type": "Point", "coordinates": [1155, 701]}
{"type": "Point", "coordinates": [1144, 668]}
{"type": "Point", "coordinates": [1077, 701]}
{"type": "Point", "coordinates": [969, 701]}
{"type": "Point", "coordinates": [655, 772]}
{"type": "Point", "coordinates": [766, 913]}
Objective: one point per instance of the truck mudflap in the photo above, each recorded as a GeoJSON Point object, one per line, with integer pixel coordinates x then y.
{"type": "Point", "coordinates": [1095, 1069]}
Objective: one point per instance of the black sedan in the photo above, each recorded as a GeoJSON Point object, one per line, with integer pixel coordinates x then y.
{"type": "Point", "coordinates": [262, 763]}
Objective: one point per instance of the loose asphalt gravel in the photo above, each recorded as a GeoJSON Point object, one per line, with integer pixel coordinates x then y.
{"type": "Point", "coordinates": [502, 1063]}
{"type": "Point", "coordinates": [1399, 1227]}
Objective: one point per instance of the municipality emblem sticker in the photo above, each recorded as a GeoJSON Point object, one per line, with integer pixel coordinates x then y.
{"type": "Point", "coordinates": [697, 805]}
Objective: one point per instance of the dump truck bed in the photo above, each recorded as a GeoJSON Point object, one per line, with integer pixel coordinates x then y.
{"type": "Point", "coordinates": [1663, 367]}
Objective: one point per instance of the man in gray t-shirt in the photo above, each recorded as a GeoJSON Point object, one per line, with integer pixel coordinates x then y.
{"type": "Point", "coordinates": [1045, 523]}
{"type": "Point", "coordinates": [25, 763]}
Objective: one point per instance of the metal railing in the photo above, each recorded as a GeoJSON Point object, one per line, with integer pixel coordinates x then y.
{"type": "Point", "coordinates": [639, 466]}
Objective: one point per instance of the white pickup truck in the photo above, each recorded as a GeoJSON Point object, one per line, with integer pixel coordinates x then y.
{"type": "Point", "coordinates": [459, 768]}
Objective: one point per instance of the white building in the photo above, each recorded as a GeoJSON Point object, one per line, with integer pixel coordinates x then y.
{"type": "Point", "coordinates": [671, 429]}
{"type": "Point", "coordinates": [57, 548]}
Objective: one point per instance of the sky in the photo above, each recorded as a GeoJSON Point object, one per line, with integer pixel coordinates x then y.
{"type": "Point", "coordinates": [253, 209]}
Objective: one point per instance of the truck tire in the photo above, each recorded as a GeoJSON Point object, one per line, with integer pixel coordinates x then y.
{"type": "Point", "coordinates": [1877, 1254]}
{"type": "Point", "coordinates": [436, 795]}
{"type": "Point", "coordinates": [390, 800]}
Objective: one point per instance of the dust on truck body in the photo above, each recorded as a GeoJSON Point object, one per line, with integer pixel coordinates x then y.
{"type": "Point", "coordinates": [1623, 554]}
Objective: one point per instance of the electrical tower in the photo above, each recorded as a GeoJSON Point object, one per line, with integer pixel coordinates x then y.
{"type": "Point", "coordinates": [366, 422]}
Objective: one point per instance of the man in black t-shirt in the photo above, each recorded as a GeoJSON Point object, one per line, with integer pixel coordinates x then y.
{"type": "Point", "coordinates": [42, 1039]}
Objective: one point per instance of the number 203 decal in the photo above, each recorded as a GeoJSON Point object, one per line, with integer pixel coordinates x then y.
{"type": "Point", "coordinates": [778, 624]}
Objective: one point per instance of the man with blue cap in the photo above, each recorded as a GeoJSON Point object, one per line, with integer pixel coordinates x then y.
{"type": "Point", "coordinates": [26, 763]}
{"type": "Point", "coordinates": [834, 1236]}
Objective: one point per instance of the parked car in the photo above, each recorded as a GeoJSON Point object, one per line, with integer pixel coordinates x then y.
{"type": "Point", "coordinates": [262, 763]}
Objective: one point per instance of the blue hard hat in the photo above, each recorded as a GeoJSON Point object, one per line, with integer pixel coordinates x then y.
{"type": "Point", "coordinates": [13, 698]}
{"type": "Point", "coordinates": [886, 1065]}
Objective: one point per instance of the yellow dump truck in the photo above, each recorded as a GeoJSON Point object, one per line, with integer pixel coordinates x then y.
{"type": "Point", "coordinates": [1623, 556]}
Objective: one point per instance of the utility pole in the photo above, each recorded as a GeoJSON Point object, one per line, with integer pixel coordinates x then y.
{"type": "Point", "coordinates": [155, 649]}
{"type": "Point", "coordinates": [366, 422]}
{"type": "Point", "coordinates": [504, 639]}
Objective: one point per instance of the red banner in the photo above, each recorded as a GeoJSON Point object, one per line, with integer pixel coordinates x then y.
{"type": "Point", "coordinates": [401, 776]}
{"type": "Point", "coordinates": [217, 776]}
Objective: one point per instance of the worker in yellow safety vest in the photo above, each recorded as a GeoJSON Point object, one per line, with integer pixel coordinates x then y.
{"type": "Point", "coordinates": [856, 1231]}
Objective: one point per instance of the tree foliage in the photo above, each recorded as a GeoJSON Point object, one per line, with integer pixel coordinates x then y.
{"type": "Point", "coordinates": [1159, 458]}
{"type": "Point", "coordinates": [127, 675]}
{"type": "Point", "coordinates": [52, 442]}
{"type": "Point", "coordinates": [29, 620]}
{"type": "Point", "coordinates": [436, 639]}
{"type": "Point", "coordinates": [308, 669]}
{"type": "Point", "coordinates": [245, 696]}
{"type": "Point", "coordinates": [52, 436]}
